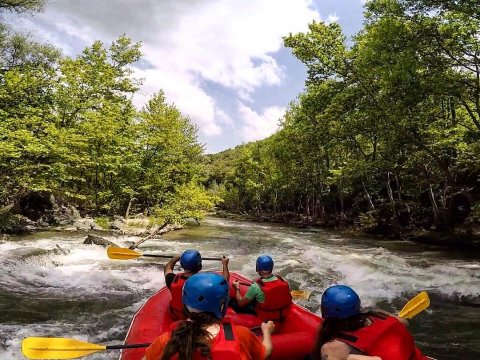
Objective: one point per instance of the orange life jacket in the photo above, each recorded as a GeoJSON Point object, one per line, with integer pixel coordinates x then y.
{"type": "Point", "coordinates": [176, 305]}
{"type": "Point", "coordinates": [277, 299]}
{"type": "Point", "coordinates": [225, 346]}
{"type": "Point", "coordinates": [386, 337]}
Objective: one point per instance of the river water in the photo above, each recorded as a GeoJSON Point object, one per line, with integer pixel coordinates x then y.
{"type": "Point", "coordinates": [53, 285]}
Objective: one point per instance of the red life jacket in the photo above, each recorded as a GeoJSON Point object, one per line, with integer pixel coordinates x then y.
{"type": "Point", "coordinates": [224, 346]}
{"type": "Point", "coordinates": [386, 337]}
{"type": "Point", "coordinates": [277, 299]}
{"type": "Point", "coordinates": [176, 305]}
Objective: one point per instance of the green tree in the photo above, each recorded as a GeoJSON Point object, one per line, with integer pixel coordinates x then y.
{"type": "Point", "coordinates": [27, 121]}
{"type": "Point", "coordinates": [22, 5]}
{"type": "Point", "coordinates": [168, 151]}
{"type": "Point", "coordinates": [187, 201]}
{"type": "Point", "coordinates": [95, 120]}
{"type": "Point", "coordinates": [386, 130]}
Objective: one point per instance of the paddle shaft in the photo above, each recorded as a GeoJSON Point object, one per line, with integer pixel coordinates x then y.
{"type": "Point", "coordinates": [127, 346]}
{"type": "Point", "coordinates": [170, 256]}
{"type": "Point", "coordinates": [65, 348]}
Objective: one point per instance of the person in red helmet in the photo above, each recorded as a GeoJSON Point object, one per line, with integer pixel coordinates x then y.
{"type": "Point", "coordinates": [191, 262]}
{"type": "Point", "coordinates": [347, 333]}
{"type": "Point", "coordinates": [269, 294]}
{"type": "Point", "coordinates": [205, 336]}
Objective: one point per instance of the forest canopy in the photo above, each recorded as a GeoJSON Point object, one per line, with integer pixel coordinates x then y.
{"type": "Point", "coordinates": [385, 135]}
{"type": "Point", "coordinates": [69, 129]}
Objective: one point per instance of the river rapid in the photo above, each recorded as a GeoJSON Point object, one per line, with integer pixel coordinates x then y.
{"type": "Point", "coordinates": [53, 285]}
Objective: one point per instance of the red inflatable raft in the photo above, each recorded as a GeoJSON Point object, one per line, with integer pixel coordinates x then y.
{"type": "Point", "coordinates": [294, 340]}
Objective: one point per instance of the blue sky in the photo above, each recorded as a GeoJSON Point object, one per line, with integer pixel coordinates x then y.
{"type": "Point", "coordinates": [221, 62]}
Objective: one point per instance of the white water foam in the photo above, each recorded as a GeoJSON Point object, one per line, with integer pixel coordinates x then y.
{"type": "Point", "coordinates": [85, 272]}
{"type": "Point", "coordinates": [379, 274]}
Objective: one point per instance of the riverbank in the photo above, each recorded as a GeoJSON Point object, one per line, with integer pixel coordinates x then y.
{"type": "Point", "coordinates": [70, 220]}
{"type": "Point", "coordinates": [456, 239]}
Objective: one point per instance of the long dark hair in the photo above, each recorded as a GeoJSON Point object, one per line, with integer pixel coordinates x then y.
{"type": "Point", "coordinates": [190, 335]}
{"type": "Point", "coordinates": [331, 327]}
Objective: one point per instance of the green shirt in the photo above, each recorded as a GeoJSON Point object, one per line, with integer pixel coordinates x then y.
{"type": "Point", "coordinates": [254, 292]}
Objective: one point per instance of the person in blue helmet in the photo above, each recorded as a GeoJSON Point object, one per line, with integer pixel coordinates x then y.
{"type": "Point", "coordinates": [205, 335]}
{"type": "Point", "coordinates": [347, 333]}
{"type": "Point", "coordinates": [269, 294]}
{"type": "Point", "coordinates": [191, 262]}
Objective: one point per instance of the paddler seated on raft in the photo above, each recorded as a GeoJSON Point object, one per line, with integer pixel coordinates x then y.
{"type": "Point", "coordinates": [267, 297]}
{"type": "Point", "coordinates": [204, 335]}
{"type": "Point", "coordinates": [348, 333]}
{"type": "Point", "coordinates": [191, 262]}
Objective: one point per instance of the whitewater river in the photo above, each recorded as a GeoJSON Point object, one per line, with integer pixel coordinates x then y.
{"type": "Point", "coordinates": [52, 285]}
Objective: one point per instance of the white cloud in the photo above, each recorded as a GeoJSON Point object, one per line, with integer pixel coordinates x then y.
{"type": "Point", "coordinates": [224, 118]}
{"type": "Point", "coordinates": [190, 45]}
{"type": "Point", "coordinates": [181, 89]}
{"type": "Point", "coordinates": [331, 18]}
{"type": "Point", "coordinates": [83, 32]}
{"type": "Point", "coordinates": [259, 126]}
{"type": "Point", "coordinates": [229, 43]}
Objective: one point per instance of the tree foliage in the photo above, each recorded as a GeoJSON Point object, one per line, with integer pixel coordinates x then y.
{"type": "Point", "coordinates": [22, 5]}
{"type": "Point", "coordinates": [68, 127]}
{"type": "Point", "coordinates": [387, 129]}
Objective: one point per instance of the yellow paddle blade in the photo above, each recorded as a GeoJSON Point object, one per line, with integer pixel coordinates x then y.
{"type": "Point", "coordinates": [300, 294]}
{"type": "Point", "coordinates": [415, 306]}
{"type": "Point", "coordinates": [122, 253]}
{"type": "Point", "coordinates": [57, 348]}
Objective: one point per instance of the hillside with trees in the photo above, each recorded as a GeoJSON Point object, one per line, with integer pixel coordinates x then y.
{"type": "Point", "coordinates": [70, 135]}
{"type": "Point", "coordinates": [385, 137]}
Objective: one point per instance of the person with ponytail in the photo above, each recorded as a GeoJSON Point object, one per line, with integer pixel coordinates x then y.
{"type": "Point", "coordinates": [347, 333]}
{"type": "Point", "coordinates": [203, 335]}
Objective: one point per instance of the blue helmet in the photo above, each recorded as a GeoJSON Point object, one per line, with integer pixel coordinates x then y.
{"type": "Point", "coordinates": [206, 292]}
{"type": "Point", "coordinates": [340, 301]}
{"type": "Point", "coordinates": [191, 260]}
{"type": "Point", "coordinates": [264, 263]}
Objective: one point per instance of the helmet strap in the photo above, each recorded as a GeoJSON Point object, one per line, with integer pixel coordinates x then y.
{"type": "Point", "coordinates": [193, 310]}
{"type": "Point", "coordinates": [264, 274]}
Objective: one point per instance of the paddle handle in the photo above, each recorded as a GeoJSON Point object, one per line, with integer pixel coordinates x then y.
{"type": "Point", "coordinates": [170, 256]}
{"type": "Point", "coordinates": [211, 258]}
{"type": "Point", "coordinates": [158, 256]}
{"type": "Point", "coordinates": [127, 346]}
